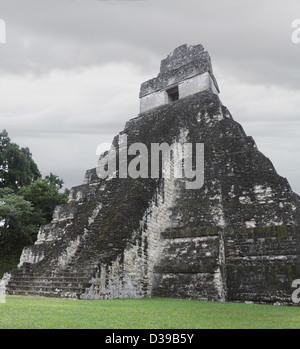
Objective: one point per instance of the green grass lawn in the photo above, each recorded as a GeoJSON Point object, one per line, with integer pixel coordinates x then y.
{"type": "Point", "coordinates": [155, 313]}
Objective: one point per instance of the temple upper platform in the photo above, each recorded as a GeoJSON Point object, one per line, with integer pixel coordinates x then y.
{"type": "Point", "coordinates": [186, 71]}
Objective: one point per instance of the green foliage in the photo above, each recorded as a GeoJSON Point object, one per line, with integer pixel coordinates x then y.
{"type": "Point", "coordinates": [15, 217]}
{"type": "Point", "coordinates": [44, 195]}
{"type": "Point", "coordinates": [17, 167]}
{"type": "Point", "coordinates": [27, 200]}
{"type": "Point", "coordinates": [9, 259]}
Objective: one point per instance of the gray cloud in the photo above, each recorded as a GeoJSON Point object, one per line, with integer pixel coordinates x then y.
{"type": "Point", "coordinates": [65, 34]}
{"type": "Point", "coordinates": [71, 70]}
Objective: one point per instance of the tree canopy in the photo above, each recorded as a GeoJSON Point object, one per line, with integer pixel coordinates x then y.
{"type": "Point", "coordinates": [44, 195]}
{"type": "Point", "coordinates": [15, 217]}
{"type": "Point", "coordinates": [17, 168]}
{"type": "Point", "coordinates": [27, 200]}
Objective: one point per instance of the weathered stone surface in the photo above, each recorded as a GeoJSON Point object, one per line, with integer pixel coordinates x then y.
{"type": "Point", "coordinates": [236, 238]}
{"type": "Point", "coordinates": [188, 68]}
{"type": "Point", "coordinates": [184, 62]}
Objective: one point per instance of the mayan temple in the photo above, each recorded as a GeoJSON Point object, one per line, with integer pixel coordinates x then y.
{"type": "Point", "coordinates": [234, 238]}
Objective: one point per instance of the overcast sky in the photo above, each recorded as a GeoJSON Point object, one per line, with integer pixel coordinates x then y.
{"type": "Point", "coordinates": [71, 71]}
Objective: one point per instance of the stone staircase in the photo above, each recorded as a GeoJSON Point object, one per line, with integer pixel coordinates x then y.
{"type": "Point", "coordinates": [190, 265]}
{"type": "Point", "coordinates": [64, 284]}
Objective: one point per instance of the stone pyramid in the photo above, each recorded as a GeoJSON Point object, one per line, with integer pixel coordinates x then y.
{"type": "Point", "coordinates": [233, 238]}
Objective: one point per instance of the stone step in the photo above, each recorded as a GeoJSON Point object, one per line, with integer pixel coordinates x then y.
{"type": "Point", "coordinates": [176, 233]}
{"type": "Point", "coordinates": [44, 288]}
{"type": "Point", "coordinates": [48, 287]}
{"type": "Point", "coordinates": [200, 285]}
{"type": "Point", "coordinates": [46, 284]}
{"type": "Point", "coordinates": [49, 279]}
{"type": "Point", "coordinates": [190, 251]}
{"type": "Point", "coordinates": [34, 281]}
{"type": "Point", "coordinates": [35, 293]}
{"type": "Point", "coordinates": [191, 269]}
{"type": "Point", "coordinates": [66, 284]}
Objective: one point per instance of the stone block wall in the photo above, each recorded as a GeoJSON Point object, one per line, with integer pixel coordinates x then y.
{"type": "Point", "coordinates": [190, 265]}
{"type": "Point", "coordinates": [261, 263]}
{"type": "Point", "coordinates": [188, 67]}
{"type": "Point", "coordinates": [249, 264]}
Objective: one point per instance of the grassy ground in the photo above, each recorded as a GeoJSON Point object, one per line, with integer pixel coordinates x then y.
{"type": "Point", "coordinates": [156, 313]}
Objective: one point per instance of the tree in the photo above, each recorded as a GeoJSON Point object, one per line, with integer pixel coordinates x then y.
{"type": "Point", "coordinates": [27, 200]}
{"type": "Point", "coordinates": [22, 213]}
{"type": "Point", "coordinates": [17, 168]}
{"type": "Point", "coordinates": [44, 195]}
{"type": "Point", "coordinates": [53, 179]}
{"type": "Point", "coordinates": [15, 217]}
